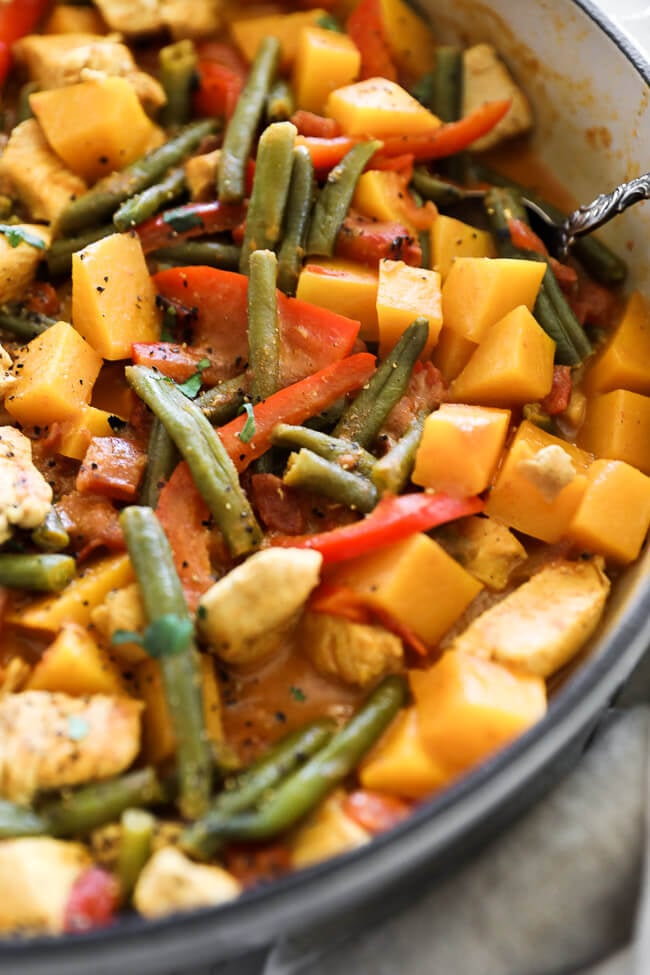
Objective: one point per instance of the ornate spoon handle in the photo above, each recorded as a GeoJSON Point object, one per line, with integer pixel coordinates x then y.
{"type": "Point", "coordinates": [601, 210]}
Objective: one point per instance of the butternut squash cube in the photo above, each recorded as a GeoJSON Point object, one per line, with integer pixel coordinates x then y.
{"type": "Point", "coordinates": [77, 601]}
{"type": "Point", "coordinates": [451, 238]}
{"type": "Point", "coordinates": [617, 426]}
{"type": "Point", "coordinates": [468, 708]}
{"type": "Point", "coordinates": [111, 392]}
{"type": "Point", "coordinates": [249, 31]}
{"type": "Point", "coordinates": [113, 296]}
{"type": "Point", "coordinates": [537, 491]}
{"type": "Point", "coordinates": [382, 195]}
{"type": "Point", "coordinates": [513, 364]}
{"type": "Point", "coordinates": [399, 764]}
{"type": "Point", "coordinates": [74, 664]}
{"type": "Point", "coordinates": [479, 291]}
{"type": "Point", "coordinates": [379, 107]}
{"type": "Point", "coordinates": [460, 448]}
{"type": "Point", "coordinates": [56, 372]}
{"type": "Point", "coordinates": [624, 362]}
{"type": "Point", "coordinates": [452, 353]}
{"type": "Point", "coordinates": [95, 126]}
{"type": "Point", "coordinates": [18, 264]}
{"type": "Point", "coordinates": [325, 60]}
{"type": "Point", "coordinates": [77, 433]}
{"type": "Point", "coordinates": [614, 515]}
{"type": "Point", "coordinates": [414, 581]}
{"type": "Point", "coordinates": [345, 287]}
{"type": "Point", "coordinates": [405, 293]}
{"type": "Point", "coordinates": [409, 38]}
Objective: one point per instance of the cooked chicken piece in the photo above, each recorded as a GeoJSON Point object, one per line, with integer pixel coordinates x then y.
{"type": "Point", "coordinates": [36, 876]}
{"type": "Point", "coordinates": [22, 248]}
{"type": "Point", "coordinates": [31, 171]}
{"type": "Point", "coordinates": [327, 832]}
{"type": "Point", "coordinates": [201, 174]}
{"type": "Point", "coordinates": [57, 60]}
{"type": "Point", "coordinates": [170, 882]}
{"type": "Point", "coordinates": [184, 18]}
{"type": "Point", "coordinates": [549, 470]}
{"type": "Point", "coordinates": [51, 740]}
{"type": "Point", "coordinates": [13, 676]}
{"type": "Point", "coordinates": [25, 495]}
{"type": "Point", "coordinates": [485, 548]}
{"type": "Point", "coordinates": [249, 613]}
{"type": "Point", "coordinates": [545, 622]}
{"type": "Point", "coordinates": [486, 79]}
{"type": "Point", "coordinates": [354, 652]}
{"type": "Point", "coordinates": [122, 610]}
{"type": "Point", "coordinates": [7, 379]}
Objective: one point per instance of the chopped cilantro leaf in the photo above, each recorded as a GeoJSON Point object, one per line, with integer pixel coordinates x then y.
{"type": "Point", "coordinates": [181, 220]}
{"type": "Point", "coordinates": [327, 22]}
{"type": "Point", "coordinates": [166, 636]}
{"type": "Point", "coordinates": [78, 727]}
{"type": "Point", "coordinates": [192, 385]}
{"type": "Point", "coordinates": [297, 694]}
{"type": "Point", "coordinates": [248, 430]}
{"type": "Point", "coordinates": [18, 235]}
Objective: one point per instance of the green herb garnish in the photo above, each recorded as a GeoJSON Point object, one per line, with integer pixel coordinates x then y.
{"type": "Point", "coordinates": [297, 694]}
{"type": "Point", "coordinates": [192, 385]}
{"type": "Point", "coordinates": [248, 430]}
{"type": "Point", "coordinates": [165, 637]}
{"type": "Point", "coordinates": [182, 220]}
{"type": "Point", "coordinates": [18, 235]}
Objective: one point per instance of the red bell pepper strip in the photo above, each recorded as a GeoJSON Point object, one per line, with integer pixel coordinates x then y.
{"type": "Point", "coordinates": [400, 164]}
{"type": "Point", "coordinates": [177, 362]}
{"type": "Point", "coordinates": [185, 519]}
{"type": "Point", "coordinates": [219, 88]}
{"type": "Point", "coordinates": [308, 123]}
{"type": "Point", "coordinates": [112, 467]}
{"type": "Point", "coordinates": [367, 241]}
{"type": "Point", "coordinates": [326, 153]}
{"type": "Point", "coordinates": [450, 138]}
{"type": "Point", "coordinates": [295, 404]}
{"type": "Point", "coordinates": [310, 337]}
{"type": "Point", "coordinates": [557, 401]}
{"type": "Point", "coordinates": [190, 220]}
{"type": "Point", "coordinates": [365, 27]}
{"type": "Point", "coordinates": [375, 811]}
{"type": "Point", "coordinates": [394, 518]}
{"type": "Point", "coordinates": [20, 17]}
{"type": "Point", "coordinates": [93, 901]}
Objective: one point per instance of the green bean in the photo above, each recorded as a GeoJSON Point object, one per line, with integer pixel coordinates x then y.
{"type": "Point", "coordinates": [280, 103]}
{"type": "Point", "coordinates": [136, 841]}
{"type": "Point", "coordinates": [551, 309]}
{"type": "Point", "coordinates": [221, 403]}
{"type": "Point", "coordinates": [105, 197]}
{"type": "Point", "coordinates": [313, 473]}
{"type": "Point", "coordinates": [240, 133]}
{"type": "Point", "coordinates": [23, 324]}
{"type": "Point", "coordinates": [597, 258]}
{"type": "Point", "coordinates": [212, 469]}
{"type": "Point", "coordinates": [59, 254]}
{"type": "Point", "coordinates": [326, 419]}
{"type": "Point", "coordinates": [301, 792]}
{"type": "Point", "coordinates": [212, 253]}
{"type": "Point", "coordinates": [51, 536]}
{"type": "Point", "coordinates": [331, 448]}
{"type": "Point", "coordinates": [254, 784]}
{"type": "Point", "coordinates": [263, 330]}
{"type": "Point", "coordinates": [392, 472]}
{"type": "Point", "coordinates": [41, 573]}
{"type": "Point", "coordinates": [433, 188]}
{"type": "Point", "coordinates": [18, 821]}
{"type": "Point", "coordinates": [162, 457]}
{"type": "Point", "coordinates": [334, 199]}
{"type": "Point", "coordinates": [447, 94]}
{"type": "Point", "coordinates": [152, 199]}
{"type": "Point", "coordinates": [364, 417]}
{"type": "Point", "coordinates": [162, 596]}
{"type": "Point", "coordinates": [270, 190]}
{"type": "Point", "coordinates": [422, 90]}
{"type": "Point", "coordinates": [80, 811]}
{"type": "Point", "coordinates": [298, 211]}
{"type": "Point", "coordinates": [24, 108]}
{"type": "Point", "coordinates": [177, 64]}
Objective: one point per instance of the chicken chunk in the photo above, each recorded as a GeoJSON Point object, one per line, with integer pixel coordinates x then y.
{"type": "Point", "coordinates": [485, 548]}
{"type": "Point", "coordinates": [40, 873]}
{"type": "Point", "coordinates": [486, 79]}
{"type": "Point", "coordinates": [51, 740]}
{"type": "Point", "coordinates": [326, 833]}
{"type": "Point", "coordinates": [122, 610]}
{"type": "Point", "coordinates": [170, 882]}
{"type": "Point", "coordinates": [201, 174]}
{"type": "Point", "coordinates": [31, 171]}
{"type": "Point", "coordinates": [354, 652]}
{"type": "Point", "coordinates": [249, 613]}
{"type": "Point", "coordinates": [549, 470]}
{"type": "Point", "coordinates": [545, 622]}
{"type": "Point", "coordinates": [25, 495]}
{"type": "Point", "coordinates": [184, 18]}
{"type": "Point", "coordinates": [57, 60]}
